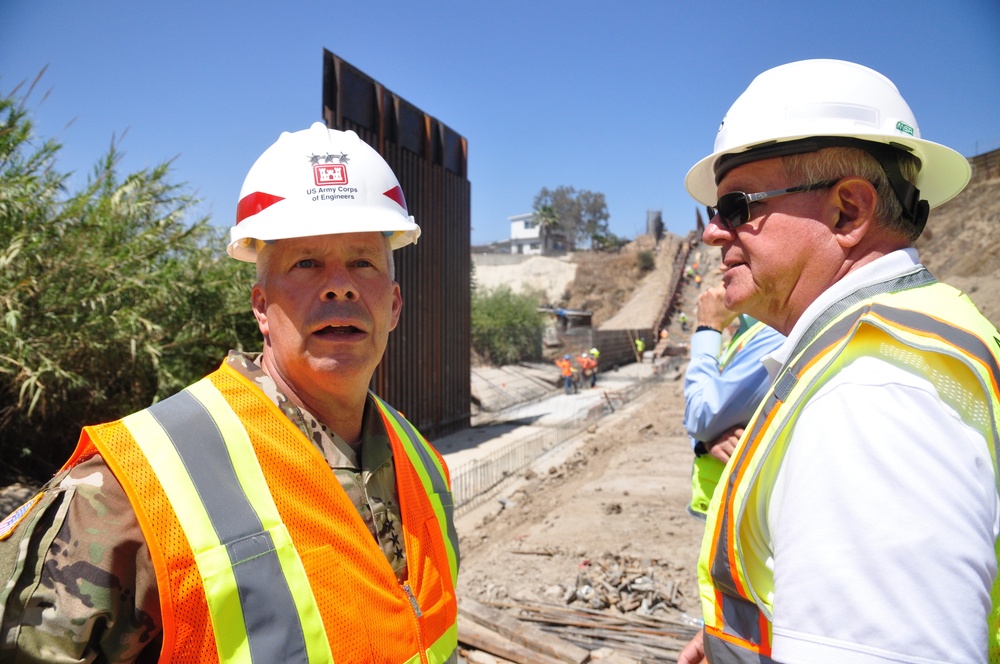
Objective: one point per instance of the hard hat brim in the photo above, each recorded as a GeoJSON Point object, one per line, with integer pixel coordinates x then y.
{"type": "Point", "coordinates": [944, 173]}
{"type": "Point", "coordinates": [282, 223]}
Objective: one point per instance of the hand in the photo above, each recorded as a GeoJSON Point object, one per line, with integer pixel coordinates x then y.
{"type": "Point", "coordinates": [722, 447]}
{"type": "Point", "coordinates": [712, 309]}
{"type": "Point", "coordinates": [694, 651]}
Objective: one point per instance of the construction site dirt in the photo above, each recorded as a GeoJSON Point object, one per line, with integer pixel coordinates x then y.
{"type": "Point", "coordinates": [597, 525]}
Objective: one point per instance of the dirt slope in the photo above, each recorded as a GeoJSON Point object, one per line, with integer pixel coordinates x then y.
{"type": "Point", "coordinates": [961, 245]}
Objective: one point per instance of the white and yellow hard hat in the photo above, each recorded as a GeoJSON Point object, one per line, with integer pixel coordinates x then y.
{"type": "Point", "coordinates": [836, 101]}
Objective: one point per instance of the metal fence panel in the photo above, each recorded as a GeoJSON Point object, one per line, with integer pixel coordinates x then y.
{"type": "Point", "coordinates": [426, 368]}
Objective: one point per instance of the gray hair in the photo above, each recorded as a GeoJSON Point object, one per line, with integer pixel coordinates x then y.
{"type": "Point", "coordinates": [840, 162]}
{"type": "Point", "coordinates": [264, 251]}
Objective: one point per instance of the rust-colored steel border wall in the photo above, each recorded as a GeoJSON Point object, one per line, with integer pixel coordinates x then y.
{"type": "Point", "coordinates": [426, 368]}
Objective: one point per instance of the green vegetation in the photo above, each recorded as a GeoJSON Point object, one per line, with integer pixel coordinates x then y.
{"type": "Point", "coordinates": [109, 299]}
{"type": "Point", "coordinates": [645, 261]}
{"type": "Point", "coordinates": [506, 327]}
{"type": "Point", "coordinates": [607, 241]}
{"type": "Point", "coordinates": [572, 218]}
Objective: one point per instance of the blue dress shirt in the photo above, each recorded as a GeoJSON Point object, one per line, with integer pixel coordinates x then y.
{"type": "Point", "coordinates": [716, 399]}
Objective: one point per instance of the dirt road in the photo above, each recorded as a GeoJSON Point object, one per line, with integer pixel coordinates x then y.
{"type": "Point", "coordinates": [615, 495]}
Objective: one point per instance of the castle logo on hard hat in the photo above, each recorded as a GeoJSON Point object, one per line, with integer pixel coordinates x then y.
{"type": "Point", "coordinates": [328, 173]}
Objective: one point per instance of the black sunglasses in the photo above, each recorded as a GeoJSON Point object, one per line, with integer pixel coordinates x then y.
{"type": "Point", "coordinates": [734, 208]}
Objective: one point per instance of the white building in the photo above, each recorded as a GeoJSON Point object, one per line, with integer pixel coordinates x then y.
{"type": "Point", "coordinates": [525, 235]}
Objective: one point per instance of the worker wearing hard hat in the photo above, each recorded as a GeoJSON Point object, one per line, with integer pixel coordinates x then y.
{"type": "Point", "coordinates": [857, 519]}
{"type": "Point", "coordinates": [588, 368]}
{"type": "Point", "coordinates": [275, 511]}
{"type": "Point", "coordinates": [566, 370]}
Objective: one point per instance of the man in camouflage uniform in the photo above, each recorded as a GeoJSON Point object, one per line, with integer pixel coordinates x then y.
{"type": "Point", "coordinates": [77, 582]}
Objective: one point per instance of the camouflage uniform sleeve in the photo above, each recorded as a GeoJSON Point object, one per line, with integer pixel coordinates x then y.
{"type": "Point", "coordinates": [77, 579]}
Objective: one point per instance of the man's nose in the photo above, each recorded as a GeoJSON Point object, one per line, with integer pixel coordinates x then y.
{"type": "Point", "coordinates": [715, 233]}
{"type": "Point", "coordinates": [338, 286]}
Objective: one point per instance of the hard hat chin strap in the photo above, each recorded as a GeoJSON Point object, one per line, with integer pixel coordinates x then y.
{"type": "Point", "coordinates": [915, 210]}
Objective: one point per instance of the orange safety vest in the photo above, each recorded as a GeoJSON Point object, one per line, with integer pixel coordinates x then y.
{"type": "Point", "coordinates": [306, 582]}
{"type": "Point", "coordinates": [566, 366]}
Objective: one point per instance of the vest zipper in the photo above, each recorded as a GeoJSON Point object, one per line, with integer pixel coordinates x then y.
{"type": "Point", "coordinates": [417, 615]}
{"type": "Point", "coordinates": [413, 600]}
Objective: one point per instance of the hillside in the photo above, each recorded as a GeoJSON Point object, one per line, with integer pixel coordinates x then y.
{"type": "Point", "coordinates": [961, 246]}
{"type": "Point", "coordinates": [603, 283]}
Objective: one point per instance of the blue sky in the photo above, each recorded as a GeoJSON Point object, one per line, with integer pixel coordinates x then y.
{"type": "Point", "coordinates": [620, 98]}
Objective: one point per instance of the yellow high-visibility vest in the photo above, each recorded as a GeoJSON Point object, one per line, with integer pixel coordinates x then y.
{"type": "Point", "coordinates": [955, 344]}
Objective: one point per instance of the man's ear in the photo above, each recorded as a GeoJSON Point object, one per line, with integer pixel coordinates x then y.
{"type": "Point", "coordinates": [397, 305]}
{"type": "Point", "coordinates": [852, 211]}
{"type": "Point", "coordinates": [259, 303]}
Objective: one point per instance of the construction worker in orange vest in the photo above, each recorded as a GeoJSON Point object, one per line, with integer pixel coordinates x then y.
{"type": "Point", "coordinates": [566, 368]}
{"type": "Point", "coordinates": [588, 368]}
{"type": "Point", "coordinates": [276, 510]}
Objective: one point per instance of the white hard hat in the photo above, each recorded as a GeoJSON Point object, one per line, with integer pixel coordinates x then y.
{"type": "Point", "coordinates": [825, 98]}
{"type": "Point", "coordinates": [319, 181]}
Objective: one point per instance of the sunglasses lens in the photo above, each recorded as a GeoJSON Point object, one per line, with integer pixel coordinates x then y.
{"type": "Point", "coordinates": [733, 209]}
{"type": "Point", "coordinates": [711, 212]}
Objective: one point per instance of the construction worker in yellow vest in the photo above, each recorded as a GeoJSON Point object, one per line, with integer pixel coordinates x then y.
{"type": "Point", "coordinates": [857, 518]}
{"type": "Point", "coordinates": [275, 511]}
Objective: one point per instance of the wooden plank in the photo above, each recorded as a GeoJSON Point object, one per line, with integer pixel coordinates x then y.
{"type": "Point", "coordinates": [476, 656]}
{"type": "Point", "coordinates": [474, 635]}
{"type": "Point", "coordinates": [522, 633]}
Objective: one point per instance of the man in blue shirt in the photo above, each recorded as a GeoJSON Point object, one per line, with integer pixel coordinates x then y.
{"type": "Point", "coordinates": [722, 389]}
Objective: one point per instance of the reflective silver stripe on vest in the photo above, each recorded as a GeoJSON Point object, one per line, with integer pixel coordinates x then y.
{"type": "Point", "coordinates": [788, 377]}
{"type": "Point", "coordinates": [970, 343]}
{"type": "Point", "coordinates": [722, 576]}
{"type": "Point", "coordinates": [720, 650]}
{"type": "Point", "coordinates": [429, 461]}
{"type": "Point", "coordinates": [785, 383]}
{"type": "Point", "coordinates": [270, 614]}
{"type": "Point", "coordinates": [916, 279]}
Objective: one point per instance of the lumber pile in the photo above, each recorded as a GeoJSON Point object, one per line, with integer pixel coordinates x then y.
{"type": "Point", "coordinates": [491, 630]}
{"type": "Point", "coordinates": [642, 638]}
{"type": "Point", "coordinates": [526, 632]}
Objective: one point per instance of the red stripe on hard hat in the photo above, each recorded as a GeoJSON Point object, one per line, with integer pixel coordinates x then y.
{"type": "Point", "coordinates": [253, 203]}
{"type": "Point", "coordinates": [396, 194]}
